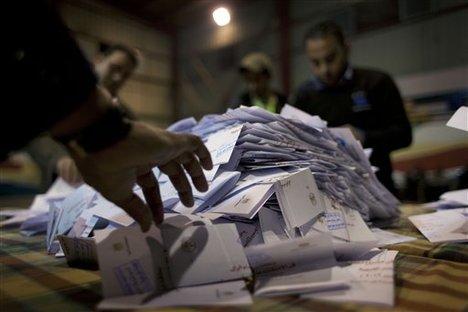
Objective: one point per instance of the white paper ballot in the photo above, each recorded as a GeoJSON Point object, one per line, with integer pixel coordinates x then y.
{"type": "Point", "coordinates": [292, 256]}
{"type": "Point", "coordinates": [390, 238]}
{"type": "Point", "coordinates": [352, 236]}
{"type": "Point", "coordinates": [458, 196]}
{"type": "Point", "coordinates": [132, 262]}
{"type": "Point", "coordinates": [444, 225]}
{"type": "Point", "coordinates": [459, 119]}
{"type": "Point", "coordinates": [204, 254]}
{"type": "Point", "coordinates": [73, 205]}
{"type": "Point", "coordinates": [272, 225]}
{"type": "Point", "coordinates": [291, 112]}
{"type": "Point", "coordinates": [222, 143]}
{"type": "Point", "coordinates": [334, 278]}
{"type": "Point", "coordinates": [296, 266]}
{"type": "Point", "coordinates": [60, 188]}
{"type": "Point", "coordinates": [299, 198]}
{"type": "Point", "coordinates": [245, 203]}
{"type": "Point", "coordinates": [109, 211]}
{"type": "Point", "coordinates": [218, 188]}
{"type": "Point", "coordinates": [232, 293]}
{"type": "Point", "coordinates": [372, 281]}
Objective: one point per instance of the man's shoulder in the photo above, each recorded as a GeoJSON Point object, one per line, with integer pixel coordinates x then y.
{"type": "Point", "coordinates": [370, 74]}
{"type": "Point", "coordinates": [371, 77]}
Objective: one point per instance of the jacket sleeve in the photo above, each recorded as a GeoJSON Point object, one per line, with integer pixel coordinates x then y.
{"type": "Point", "coordinates": [395, 130]}
{"type": "Point", "coordinates": [48, 76]}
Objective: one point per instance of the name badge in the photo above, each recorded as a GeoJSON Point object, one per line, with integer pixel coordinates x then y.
{"type": "Point", "coordinates": [360, 102]}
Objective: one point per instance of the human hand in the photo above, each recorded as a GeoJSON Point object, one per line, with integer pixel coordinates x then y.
{"type": "Point", "coordinates": [115, 170]}
{"type": "Point", "coordinates": [67, 170]}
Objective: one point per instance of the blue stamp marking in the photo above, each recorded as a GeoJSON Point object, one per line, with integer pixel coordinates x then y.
{"type": "Point", "coordinates": [132, 278]}
{"type": "Point", "coordinates": [334, 221]}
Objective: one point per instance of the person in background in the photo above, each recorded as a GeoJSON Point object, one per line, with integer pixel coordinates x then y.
{"type": "Point", "coordinates": [366, 101]}
{"type": "Point", "coordinates": [113, 66]}
{"type": "Point", "coordinates": [257, 71]}
{"type": "Point", "coordinates": [52, 81]}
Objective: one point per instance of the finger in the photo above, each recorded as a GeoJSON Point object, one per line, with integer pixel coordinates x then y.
{"type": "Point", "coordinates": [180, 182]}
{"type": "Point", "coordinates": [72, 172]}
{"type": "Point", "coordinates": [193, 168]}
{"type": "Point", "coordinates": [201, 151]}
{"type": "Point", "coordinates": [137, 209]}
{"type": "Point", "coordinates": [149, 185]}
{"type": "Point", "coordinates": [66, 173]}
{"type": "Point", "coordinates": [76, 172]}
{"type": "Point", "coordinates": [204, 156]}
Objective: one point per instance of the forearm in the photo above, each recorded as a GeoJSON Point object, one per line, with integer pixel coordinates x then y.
{"type": "Point", "coordinates": [84, 115]}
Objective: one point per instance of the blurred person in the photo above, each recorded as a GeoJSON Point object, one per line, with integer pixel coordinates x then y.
{"type": "Point", "coordinates": [257, 72]}
{"type": "Point", "coordinates": [366, 101]}
{"type": "Point", "coordinates": [55, 90]}
{"type": "Point", "coordinates": [113, 66]}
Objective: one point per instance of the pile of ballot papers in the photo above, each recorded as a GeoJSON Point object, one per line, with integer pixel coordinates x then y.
{"type": "Point", "coordinates": [253, 149]}
{"type": "Point", "coordinates": [287, 209]}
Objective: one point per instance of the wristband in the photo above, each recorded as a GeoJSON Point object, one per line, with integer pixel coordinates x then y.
{"type": "Point", "coordinates": [110, 128]}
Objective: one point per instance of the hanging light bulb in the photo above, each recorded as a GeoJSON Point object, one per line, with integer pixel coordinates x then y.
{"type": "Point", "coordinates": [221, 16]}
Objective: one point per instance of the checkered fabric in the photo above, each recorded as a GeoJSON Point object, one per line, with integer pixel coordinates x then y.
{"type": "Point", "coordinates": [428, 277]}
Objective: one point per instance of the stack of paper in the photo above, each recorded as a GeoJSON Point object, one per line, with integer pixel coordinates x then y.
{"type": "Point", "coordinates": [191, 261]}
{"type": "Point", "coordinates": [288, 198]}
{"type": "Point", "coordinates": [299, 178]}
{"type": "Point", "coordinates": [250, 140]}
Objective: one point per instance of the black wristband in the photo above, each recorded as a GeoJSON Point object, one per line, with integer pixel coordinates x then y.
{"type": "Point", "coordinates": [108, 130]}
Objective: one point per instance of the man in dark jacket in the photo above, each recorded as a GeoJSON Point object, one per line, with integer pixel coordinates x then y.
{"type": "Point", "coordinates": [364, 100]}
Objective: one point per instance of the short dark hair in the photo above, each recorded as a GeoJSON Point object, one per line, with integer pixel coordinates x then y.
{"type": "Point", "coordinates": [323, 29]}
{"type": "Point", "coordinates": [131, 53]}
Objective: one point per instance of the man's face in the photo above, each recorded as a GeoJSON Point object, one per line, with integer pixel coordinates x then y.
{"type": "Point", "coordinates": [328, 59]}
{"type": "Point", "coordinates": [257, 83]}
{"type": "Point", "coordinates": [113, 70]}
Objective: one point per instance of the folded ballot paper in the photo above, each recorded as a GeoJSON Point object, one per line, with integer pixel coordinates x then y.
{"type": "Point", "coordinates": [443, 225]}
{"type": "Point", "coordinates": [156, 268]}
{"type": "Point", "coordinates": [296, 266]}
{"type": "Point", "coordinates": [371, 280]}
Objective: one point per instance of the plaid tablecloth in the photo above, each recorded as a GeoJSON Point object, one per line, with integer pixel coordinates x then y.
{"type": "Point", "coordinates": [428, 277]}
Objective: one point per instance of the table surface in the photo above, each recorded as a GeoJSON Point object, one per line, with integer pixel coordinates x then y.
{"type": "Point", "coordinates": [428, 277]}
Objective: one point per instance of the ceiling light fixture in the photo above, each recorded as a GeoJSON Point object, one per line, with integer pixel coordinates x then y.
{"type": "Point", "coordinates": [221, 16]}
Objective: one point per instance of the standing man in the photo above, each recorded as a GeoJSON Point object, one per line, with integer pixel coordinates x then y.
{"type": "Point", "coordinates": [256, 70]}
{"type": "Point", "coordinates": [364, 100]}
